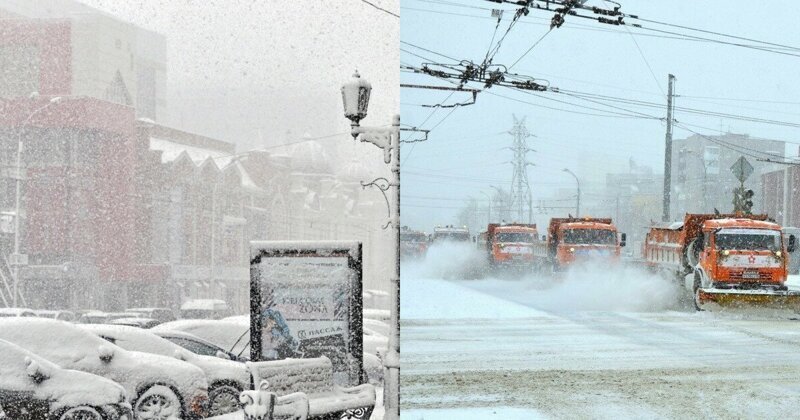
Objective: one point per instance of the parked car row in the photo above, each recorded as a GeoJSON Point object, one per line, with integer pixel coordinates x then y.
{"type": "Point", "coordinates": [155, 378]}
{"type": "Point", "coordinates": [115, 368]}
{"type": "Point", "coordinates": [137, 317]}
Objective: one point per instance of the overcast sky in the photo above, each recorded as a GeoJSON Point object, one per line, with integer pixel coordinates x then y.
{"type": "Point", "coordinates": [464, 155]}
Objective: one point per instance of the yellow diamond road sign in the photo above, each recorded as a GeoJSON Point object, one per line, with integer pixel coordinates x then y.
{"type": "Point", "coordinates": [742, 169]}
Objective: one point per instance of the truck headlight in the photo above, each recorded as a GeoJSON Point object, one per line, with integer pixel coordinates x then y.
{"type": "Point", "coordinates": [572, 250]}
{"type": "Point", "coordinates": [726, 252]}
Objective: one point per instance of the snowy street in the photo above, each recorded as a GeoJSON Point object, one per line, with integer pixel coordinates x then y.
{"type": "Point", "coordinates": [591, 345]}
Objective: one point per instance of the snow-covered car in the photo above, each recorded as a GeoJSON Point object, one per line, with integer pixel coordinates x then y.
{"type": "Point", "coordinates": [205, 309]}
{"type": "Point", "coordinates": [233, 336]}
{"type": "Point", "coordinates": [135, 322]}
{"type": "Point", "coordinates": [16, 312]}
{"type": "Point", "coordinates": [93, 317]}
{"type": "Point", "coordinates": [160, 387]}
{"type": "Point", "coordinates": [34, 388]}
{"type": "Point", "coordinates": [226, 378]}
{"type": "Point", "coordinates": [159, 314]}
{"type": "Point", "coordinates": [199, 346]}
{"type": "Point", "coordinates": [59, 315]}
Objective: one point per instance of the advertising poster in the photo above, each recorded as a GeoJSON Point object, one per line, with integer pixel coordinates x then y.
{"type": "Point", "coordinates": [305, 300]}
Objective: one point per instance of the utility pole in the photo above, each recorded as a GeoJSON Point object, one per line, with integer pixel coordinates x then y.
{"type": "Point", "coordinates": [668, 150]}
{"type": "Point", "coordinates": [521, 196]}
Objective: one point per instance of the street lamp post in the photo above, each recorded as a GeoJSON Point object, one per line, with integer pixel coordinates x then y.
{"type": "Point", "coordinates": [17, 216]}
{"type": "Point", "coordinates": [578, 182]}
{"type": "Point", "coordinates": [355, 97]}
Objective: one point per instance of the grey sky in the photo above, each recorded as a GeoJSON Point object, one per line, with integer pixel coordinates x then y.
{"type": "Point", "coordinates": [464, 156]}
{"type": "Point", "coordinates": [272, 65]}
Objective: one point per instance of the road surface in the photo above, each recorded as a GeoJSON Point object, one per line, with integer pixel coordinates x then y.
{"type": "Point", "coordinates": [596, 344]}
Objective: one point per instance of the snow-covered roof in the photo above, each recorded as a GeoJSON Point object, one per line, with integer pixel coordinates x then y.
{"type": "Point", "coordinates": [171, 151]}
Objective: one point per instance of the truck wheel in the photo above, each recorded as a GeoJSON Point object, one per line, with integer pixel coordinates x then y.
{"type": "Point", "coordinates": [696, 292]}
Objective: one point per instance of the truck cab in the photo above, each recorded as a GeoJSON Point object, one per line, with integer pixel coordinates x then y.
{"type": "Point", "coordinates": [512, 244]}
{"type": "Point", "coordinates": [584, 240]}
{"type": "Point", "coordinates": [742, 254]}
{"type": "Point", "coordinates": [450, 233]}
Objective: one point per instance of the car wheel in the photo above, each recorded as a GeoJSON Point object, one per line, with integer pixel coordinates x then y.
{"type": "Point", "coordinates": [159, 402]}
{"type": "Point", "coordinates": [223, 399]}
{"type": "Point", "coordinates": [80, 413]}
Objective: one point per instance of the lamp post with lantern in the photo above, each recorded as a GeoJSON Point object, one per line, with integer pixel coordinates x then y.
{"type": "Point", "coordinates": [355, 96]}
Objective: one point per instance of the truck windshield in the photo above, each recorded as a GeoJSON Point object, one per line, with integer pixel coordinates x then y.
{"type": "Point", "coordinates": [518, 237]}
{"type": "Point", "coordinates": [590, 236]}
{"type": "Point", "coordinates": [451, 236]}
{"type": "Point", "coordinates": [748, 239]}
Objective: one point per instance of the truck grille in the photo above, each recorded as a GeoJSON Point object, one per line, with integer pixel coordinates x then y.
{"type": "Point", "coordinates": [739, 275]}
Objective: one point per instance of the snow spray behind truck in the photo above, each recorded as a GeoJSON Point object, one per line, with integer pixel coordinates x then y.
{"type": "Point", "coordinates": [572, 240]}
{"type": "Point", "coordinates": [509, 246]}
{"type": "Point", "coordinates": [726, 260]}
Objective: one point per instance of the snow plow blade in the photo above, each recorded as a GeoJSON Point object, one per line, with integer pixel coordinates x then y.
{"type": "Point", "coordinates": [720, 299]}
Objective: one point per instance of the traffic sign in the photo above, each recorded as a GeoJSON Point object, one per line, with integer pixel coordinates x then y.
{"type": "Point", "coordinates": [742, 169]}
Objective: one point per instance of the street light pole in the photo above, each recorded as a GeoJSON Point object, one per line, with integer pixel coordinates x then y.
{"type": "Point", "coordinates": [17, 216]}
{"type": "Point", "coordinates": [578, 182]}
{"type": "Point", "coordinates": [355, 95]}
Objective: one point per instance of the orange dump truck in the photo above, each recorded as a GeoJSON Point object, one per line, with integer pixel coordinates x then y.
{"type": "Point", "coordinates": [573, 240]}
{"type": "Point", "coordinates": [509, 245]}
{"type": "Point", "coordinates": [726, 260]}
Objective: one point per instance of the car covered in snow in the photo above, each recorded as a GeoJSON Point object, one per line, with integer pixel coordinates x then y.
{"type": "Point", "coordinates": [205, 309]}
{"type": "Point", "coordinates": [159, 314]}
{"type": "Point", "coordinates": [232, 336]}
{"type": "Point", "coordinates": [92, 317]}
{"type": "Point", "coordinates": [135, 322]}
{"type": "Point", "coordinates": [226, 378]}
{"type": "Point", "coordinates": [199, 346]}
{"type": "Point", "coordinates": [34, 388]}
{"type": "Point", "coordinates": [160, 387]}
{"type": "Point", "coordinates": [68, 316]}
{"type": "Point", "coordinates": [16, 312]}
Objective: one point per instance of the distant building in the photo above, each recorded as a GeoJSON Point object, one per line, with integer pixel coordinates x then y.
{"type": "Point", "coordinates": [633, 199]}
{"type": "Point", "coordinates": [64, 48]}
{"type": "Point", "coordinates": [701, 175]}
{"type": "Point", "coordinates": [779, 195]}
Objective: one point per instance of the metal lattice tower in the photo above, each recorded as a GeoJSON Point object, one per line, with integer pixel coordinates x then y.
{"type": "Point", "coordinates": [521, 198]}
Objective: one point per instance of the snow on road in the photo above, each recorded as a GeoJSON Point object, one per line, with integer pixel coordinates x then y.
{"type": "Point", "coordinates": [595, 344]}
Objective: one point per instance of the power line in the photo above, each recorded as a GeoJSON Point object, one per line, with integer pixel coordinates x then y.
{"type": "Point", "coordinates": [381, 8]}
